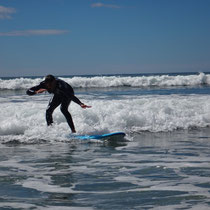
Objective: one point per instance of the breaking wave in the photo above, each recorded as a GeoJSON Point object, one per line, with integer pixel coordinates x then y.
{"type": "Point", "coordinates": [114, 81]}
{"type": "Point", "coordinates": [25, 121]}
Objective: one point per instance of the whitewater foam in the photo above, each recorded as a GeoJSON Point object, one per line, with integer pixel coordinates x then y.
{"type": "Point", "coordinates": [25, 121]}
{"type": "Point", "coordinates": [114, 81]}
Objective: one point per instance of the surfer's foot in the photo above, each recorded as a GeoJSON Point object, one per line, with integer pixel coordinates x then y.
{"type": "Point", "coordinates": [73, 131]}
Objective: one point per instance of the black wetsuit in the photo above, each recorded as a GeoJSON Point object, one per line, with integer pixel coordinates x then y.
{"type": "Point", "coordinates": [63, 95]}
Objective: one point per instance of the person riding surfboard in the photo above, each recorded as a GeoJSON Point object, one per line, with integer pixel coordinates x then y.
{"type": "Point", "coordinates": [63, 95]}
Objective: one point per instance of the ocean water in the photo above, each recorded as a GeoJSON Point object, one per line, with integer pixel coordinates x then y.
{"type": "Point", "coordinates": [162, 163]}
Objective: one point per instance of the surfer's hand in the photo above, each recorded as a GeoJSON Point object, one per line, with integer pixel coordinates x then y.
{"type": "Point", "coordinates": [85, 106]}
{"type": "Point", "coordinates": [40, 91]}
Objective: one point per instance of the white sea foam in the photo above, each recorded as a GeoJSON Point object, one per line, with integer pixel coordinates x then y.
{"type": "Point", "coordinates": [140, 81]}
{"type": "Point", "coordinates": [114, 81]}
{"type": "Point", "coordinates": [18, 83]}
{"type": "Point", "coordinates": [25, 121]}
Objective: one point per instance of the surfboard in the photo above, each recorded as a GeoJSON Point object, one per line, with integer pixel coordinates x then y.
{"type": "Point", "coordinates": [107, 136]}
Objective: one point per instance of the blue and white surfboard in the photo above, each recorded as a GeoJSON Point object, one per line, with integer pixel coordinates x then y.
{"type": "Point", "coordinates": [103, 136]}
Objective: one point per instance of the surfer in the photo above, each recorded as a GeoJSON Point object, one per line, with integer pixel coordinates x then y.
{"type": "Point", "coordinates": [63, 95]}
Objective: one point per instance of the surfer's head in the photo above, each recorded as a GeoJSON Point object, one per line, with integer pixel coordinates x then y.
{"type": "Point", "coordinates": [49, 78]}
{"type": "Point", "coordinates": [50, 82]}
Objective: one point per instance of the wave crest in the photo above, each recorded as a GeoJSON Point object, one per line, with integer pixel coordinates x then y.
{"type": "Point", "coordinates": [114, 81]}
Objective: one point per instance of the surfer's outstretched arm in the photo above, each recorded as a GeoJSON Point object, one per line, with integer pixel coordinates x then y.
{"type": "Point", "coordinates": [77, 101]}
{"type": "Point", "coordinates": [36, 89]}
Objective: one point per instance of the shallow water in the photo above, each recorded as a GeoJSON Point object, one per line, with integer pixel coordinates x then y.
{"type": "Point", "coordinates": [164, 171]}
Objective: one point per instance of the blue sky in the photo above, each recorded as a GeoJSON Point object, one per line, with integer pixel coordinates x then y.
{"type": "Point", "coordinates": [68, 37]}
